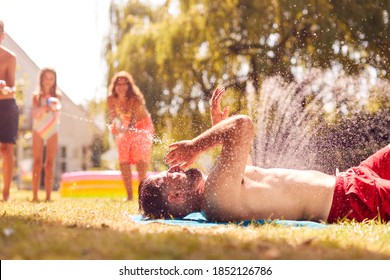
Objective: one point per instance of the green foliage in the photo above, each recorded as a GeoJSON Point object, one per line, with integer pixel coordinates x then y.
{"type": "Point", "coordinates": [100, 142]}
{"type": "Point", "coordinates": [368, 22]}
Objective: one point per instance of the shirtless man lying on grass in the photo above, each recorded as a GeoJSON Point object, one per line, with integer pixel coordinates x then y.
{"type": "Point", "coordinates": [234, 191]}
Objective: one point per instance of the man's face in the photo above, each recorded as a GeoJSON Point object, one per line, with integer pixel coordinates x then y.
{"type": "Point", "coordinates": [177, 178]}
{"type": "Point", "coordinates": [182, 190]}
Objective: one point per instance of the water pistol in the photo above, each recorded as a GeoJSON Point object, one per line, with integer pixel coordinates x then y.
{"type": "Point", "coordinates": [4, 89]}
{"type": "Point", "coordinates": [53, 103]}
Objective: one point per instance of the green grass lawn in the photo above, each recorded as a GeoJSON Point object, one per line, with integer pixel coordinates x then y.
{"type": "Point", "coordinates": [100, 229]}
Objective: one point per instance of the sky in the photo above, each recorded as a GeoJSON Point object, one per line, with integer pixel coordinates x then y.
{"type": "Point", "coordinates": [67, 35]}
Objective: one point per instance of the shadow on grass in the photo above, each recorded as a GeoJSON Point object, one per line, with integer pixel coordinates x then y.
{"type": "Point", "coordinates": [34, 238]}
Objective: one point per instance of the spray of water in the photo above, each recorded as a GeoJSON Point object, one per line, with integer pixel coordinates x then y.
{"type": "Point", "coordinates": [288, 116]}
{"type": "Point", "coordinates": [153, 138]}
{"type": "Point", "coordinates": [300, 124]}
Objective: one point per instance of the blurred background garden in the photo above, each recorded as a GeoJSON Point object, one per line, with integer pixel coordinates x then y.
{"type": "Point", "coordinates": [313, 75]}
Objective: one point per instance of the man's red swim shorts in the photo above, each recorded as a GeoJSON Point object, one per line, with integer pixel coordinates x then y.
{"type": "Point", "coordinates": [363, 192]}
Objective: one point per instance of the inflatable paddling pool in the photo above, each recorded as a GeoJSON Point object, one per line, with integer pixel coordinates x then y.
{"type": "Point", "coordinates": [106, 183]}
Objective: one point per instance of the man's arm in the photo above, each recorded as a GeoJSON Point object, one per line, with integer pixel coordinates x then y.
{"type": "Point", "coordinates": [232, 134]}
{"type": "Point", "coordinates": [218, 115]}
{"type": "Point", "coordinates": [188, 156]}
{"type": "Point", "coordinates": [223, 185]}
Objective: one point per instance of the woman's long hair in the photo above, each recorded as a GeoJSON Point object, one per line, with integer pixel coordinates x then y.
{"type": "Point", "coordinates": [133, 89]}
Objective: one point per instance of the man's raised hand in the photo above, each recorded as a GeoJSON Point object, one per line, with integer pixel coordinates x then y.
{"type": "Point", "coordinates": [215, 106]}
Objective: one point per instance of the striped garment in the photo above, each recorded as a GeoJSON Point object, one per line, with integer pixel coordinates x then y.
{"type": "Point", "coordinates": [45, 121]}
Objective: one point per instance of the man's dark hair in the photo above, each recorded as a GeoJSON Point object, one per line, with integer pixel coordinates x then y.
{"type": "Point", "coordinates": [152, 201]}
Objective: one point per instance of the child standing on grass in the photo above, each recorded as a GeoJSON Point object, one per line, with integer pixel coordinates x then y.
{"type": "Point", "coordinates": [45, 130]}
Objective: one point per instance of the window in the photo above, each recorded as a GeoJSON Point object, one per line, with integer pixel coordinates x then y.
{"type": "Point", "coordinates": [63, 152]}
{"type": "Point", "coordinates": [63, 167]}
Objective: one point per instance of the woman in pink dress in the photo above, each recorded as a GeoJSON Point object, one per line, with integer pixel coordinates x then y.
{"type": "Point", "coordinates": [132, 126]}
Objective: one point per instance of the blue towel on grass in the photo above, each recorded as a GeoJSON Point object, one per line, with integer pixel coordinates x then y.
{"type": "Point", "coordinates": [198, 219]}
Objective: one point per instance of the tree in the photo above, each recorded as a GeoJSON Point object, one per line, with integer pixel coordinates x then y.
{"type": "Point", "coordinates": [100, 141]}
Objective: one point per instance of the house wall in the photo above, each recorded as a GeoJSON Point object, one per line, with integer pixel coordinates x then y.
{"type": "Point", "coordinates": [75, 137]}
{"type": "Point", "coordinates": [76, 129]}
